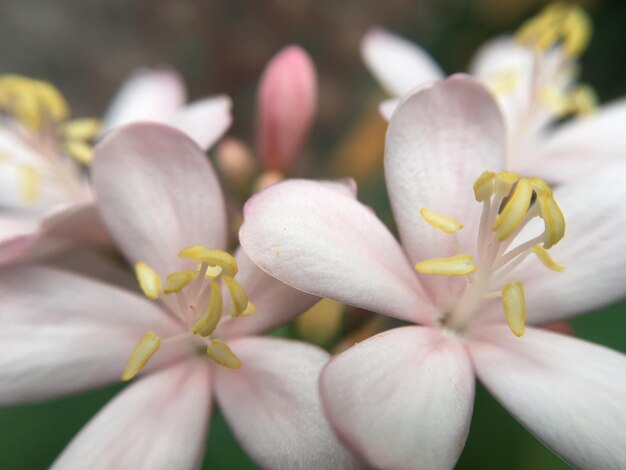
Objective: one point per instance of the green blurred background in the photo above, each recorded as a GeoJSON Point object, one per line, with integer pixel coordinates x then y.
{"type": "Point", "coordinates": [87, 49]}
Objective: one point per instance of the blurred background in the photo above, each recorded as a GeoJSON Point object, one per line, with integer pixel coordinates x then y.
{"type": "Point", "coordinates": [88, 48]}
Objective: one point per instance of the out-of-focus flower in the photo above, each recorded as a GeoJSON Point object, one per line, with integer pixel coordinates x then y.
{"type": "Point", "coordinates": [161, 201]}
{"type": "Point", "coordinates": [404, 398]}
{"type": "Point", "coordinates": [46, 202]}
{"type": "Point", "coordinates": [533, 75]}
{"type": "Point", "coordinates": [286, 104]}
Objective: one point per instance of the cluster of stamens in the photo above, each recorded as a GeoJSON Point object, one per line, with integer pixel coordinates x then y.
{"type": "Point", "coordinates": [509, 203]}
{"type": "Point", "coordinates": [195, 296]}
{"type": "Point", "coordinates": [38, 114]}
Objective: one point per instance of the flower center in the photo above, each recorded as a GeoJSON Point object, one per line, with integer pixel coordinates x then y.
{"type": "Point", "coordinates": [195, 296]}
{"type": "Point", "coordinates": [509, 203]}
{"type": "Point", "coordinates": [36, 113]}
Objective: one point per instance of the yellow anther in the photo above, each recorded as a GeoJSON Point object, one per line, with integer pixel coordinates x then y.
{"type": "Point", "coordinates": [514, 211]}
{"type": "Point", "coordinates": [441, 222]}
{"type": "Point", "coordinates": [82, 129]}
{"type": "Point", "coordinates": [212, 271]}
{"type": "Point", "coordinates": [503, 81]}
{"type": "Point", "coordinates": [140, 356]}
{"type": "Point", "coordinates": [177, 281]}
{"type": "Point", "coordinates": [51, 100]}
{"type": "Point", "coordinates": [249, 311]}
{"type": "Point", "coordinates": [79, 151]}
{"type": "Point", "coordinates": [556, 100]}
{"type": "Point", "coordinates": [553, 220]}
{"type": "Point", "coordinates": [237, 294]}
{"type": "Point", "coordinates": [211, 257]}
{"type": "Point", "coordinates": [540, 186]}
{"type": "Point", "coordinates": [484, 186]}
{"type": "Point", "coordinates": [504, 181]}
{"type": "Point", "coordinates": [30, 183]}
{"type": "Point", "coordinates": [220, 352]}
{"type": "Point", "coordinates": [207, 324]}
{"type": "Point", "coordinates": [149, 281]}
{"type": "Point", "coordinates": [584, 101]}
{"type": "Point", "coordinates": [458, 265]}
{"type": "Point", "coordinates": [514, 303]}
{"type": "Point", "coordinates": [547, 260]}
{"type": "Point", "coordinates": [577, 31]}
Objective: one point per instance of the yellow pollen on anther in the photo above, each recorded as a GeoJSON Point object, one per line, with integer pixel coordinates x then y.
{"type": "Point", "coordinates": [584, 101]}
{"type": "Point", "coordinates": [219, 351]}
{"type": "Point", "coordinates": [514, 303]}
{"type": "Point", "coordinates": [177, 281]}
{"type": "Point", "coordinates": [30, 183]}
{"type": "Point", "coordinates": [514, 211]}
{"type": "Point", "coordinates": [211, 257]}
{"type": "Point", "coordinates": [82, 129]}
{"type": "Point", "coordinates": [459, 265]}
{"type": "Point", "coordinates": [79, 151]}
{"type": "Point", "coordinates": [504, 181]}
{"type": "Point", "coordinates": [207, 324]}
{"type": "Point", "coordinates": [550, 213]}
{"type": "Point", "coordinates": [237, 294]}
{"type": "Point", "coordinates": [249, 311]}
{"type": "Point", "coordinates": [547, 260]}
{"type": "Point", "coordinates": [149, 281]}
{"type": "Point", "coordinates": [140, 356]}
{"type": "Point", "coordinates": [484, 186]}
{"type": "Point", "coordinates": [441, 222]}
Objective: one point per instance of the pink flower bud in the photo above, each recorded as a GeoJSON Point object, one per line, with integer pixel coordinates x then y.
{"type": "Point", "coordinates": [286, 100]}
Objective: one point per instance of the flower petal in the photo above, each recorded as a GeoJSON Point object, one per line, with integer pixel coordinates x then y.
{"type": "Point", "coordinates": [17, 235]}
{"type": "Point", "coordinates": [148, 95]}
{"type": "Point", "coordinates": [440, 139]}
{"type": "Point", "coordinates": [323, 242]}
{"type": "Point", "coordinates": [593, 250]}
{"type": "Point", "coordinates": [158, 422]}
{"type": "Point", "coordinates": [398, 64]}
{"type": "Point", "coordinates": [567, 392]}
{"type": "Point", "coordinates": [158, 194]}
{"type": "Point", "coordinates": [402, 399]}
{"type": "Point", "coordinates": [205, 121]}
{"type": "Point", "coordinates": [276, 302]}
{"type": "Point", "coordinates": [273, 406]}
{"type": "Point", "coordinates": [62, 333]}
{"type": "Point", "coordinates": [579, 146]}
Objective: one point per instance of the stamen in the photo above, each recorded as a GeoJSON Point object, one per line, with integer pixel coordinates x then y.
{"type": "Point", "coordinates": [220, 352]}
{"type": "Point", "coordinates": [212, 258]}
{"type": "Point", "coordinates": [484, 186]}
{"type": "Point", "coordinates": [514, 211]}
{"type": "Point", "coordinates": [550, 213]}
{"type": "Point", "coordinates": [30, 183]}
{"type": "Point", "coordinates": [503, 81]}
{"type": "Point", "coordinates": [514, 303]}
{"type": "Point", "coordinates": [249, 311]}
{"type": "Point", "coordinates": [237, 294]}
{"type": "Point", "coordinates": [504, 181]}
{"type": "Point", "coordinates": [441, 222]}
{"type": "Point", "coordinates": [178, 280]}
{"type": "Point", "coordinates": [79, 151]}
{"type": "Point", "coordinates": [140, 356]}
{"type": "Point", "coordinates": [207, 324]}
{"type": "Point", "coordinates": [547, 260]}
{"type": "Point", "coordinates": [82, 129]}
{"type": "Point", "coordinates": [149, 281]}
{"type": "Point", "coordinates": [459, 265]}
{"type": "Point", "coordinates": [584, 101]}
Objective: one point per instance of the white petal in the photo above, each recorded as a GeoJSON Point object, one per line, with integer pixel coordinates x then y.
{"type": "Point", "coordinates": [398, 64]}
{"type": "Point", "coordinates": [158, 194]}
{"type": "Point", "coordinates": [63, 333]}
{"type": "Point", "coordinates": [205, 121]}
{"type": "Point", "coordinates": [273, 406]}
{"type": "Point", "coordinates": [323, 242]}
{"type": "Point", "coordinates": [158, 422]}
{"type": "Point", "coordinates": [440, 139]}
{"type": "Point", "coordinates": [567, 392]}
{"type": "Point", "coordinates": [148, 95]}
{"type": "Point", "coordinates": [402, 399]}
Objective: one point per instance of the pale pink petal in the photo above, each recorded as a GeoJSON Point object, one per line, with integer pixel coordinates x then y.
{"type": "Point", "coordinates": [17, 235]}
{"type": "Point", "coordinates": [158, 194]}
{"type": "Point", "coordinates": [323, 242]}
{"type": "Point", "coordinates": [402, 398]}
{"type": "Point", "coordinates": [567, 392]}
{"type": "Point", "coordinates": [205, 121]}
{"type": "Point", "coordinates": [398, 64]}
{"type": "Point", "coordinates": [579, 146]}
{"type": "Point", "coordinates": [273, 406]}
{"type": "Point", "coordinates": [148, 95]}
{"type": "Point", "coordinates": [276, 302]}
{"type": "Point", "coordinates": [286, 100]}
{"type": "Point", "coordinates": [158, 422]}
{"type": "Point", "coordinates": [439, 140]}
{"type": "Point", "coordinates": [593, 250]}
{"type": "Point", "coordinates": [63, 333]}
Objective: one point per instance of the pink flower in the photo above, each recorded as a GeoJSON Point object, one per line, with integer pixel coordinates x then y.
{"type": "Point", "coordinates": [63, 333]}
{"type": "Point", "coordinates": [45, 193]}
{"type": "Point", "coordinates": [286, 100]}
{"type": "Point", "coordinates": [533, 76]}
{"type": "Point", "coordinates": [403, 399]}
